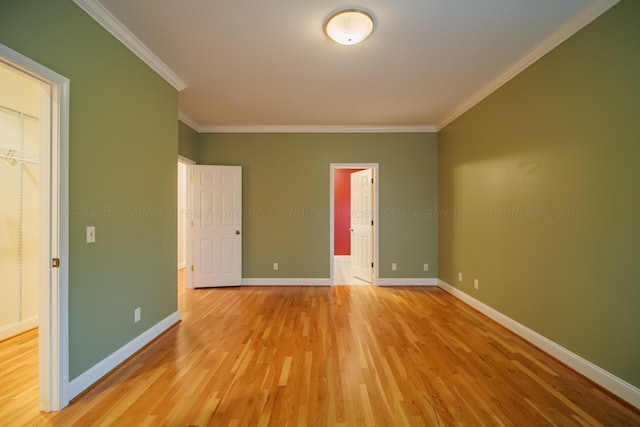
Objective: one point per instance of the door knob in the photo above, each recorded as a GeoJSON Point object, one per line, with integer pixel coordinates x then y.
{"type": "Point", "coordinates": [237, 231]}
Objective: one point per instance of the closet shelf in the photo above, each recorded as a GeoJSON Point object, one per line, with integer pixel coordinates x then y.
{"type": "Point", "coordinates": [15, 156]}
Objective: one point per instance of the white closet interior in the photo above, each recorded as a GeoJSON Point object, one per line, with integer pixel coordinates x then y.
{"type": "Point", "coordinates": [19, 199]}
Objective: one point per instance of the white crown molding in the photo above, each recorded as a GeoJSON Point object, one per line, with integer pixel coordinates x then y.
{"type": "Point", "coordinates": [607, 380]}
{"type": "Point", "coordinates": [188, 121]}
{"type": "Point", "coordinates": [184, 118]}
{"type": "Point", "coordinates": [317, 129]}
{"type": "Point", "coordinates": [102, 16]}
{"type": "Point", "coordinates": [569, 28]}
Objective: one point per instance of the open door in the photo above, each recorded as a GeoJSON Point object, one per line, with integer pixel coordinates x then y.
{"type": "Point", "coordinates": [53, 348]}
{"type": "Point", "coordinates": [362, 224]}
{"type": "Point", "coordinates": [217, 226]}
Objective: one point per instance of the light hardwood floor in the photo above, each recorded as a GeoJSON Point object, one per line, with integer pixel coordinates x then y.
{"type": "Point", "coordinates": [322, 356]}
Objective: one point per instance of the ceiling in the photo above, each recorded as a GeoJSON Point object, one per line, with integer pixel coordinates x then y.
{"type": "Point", "coordinates": [243, 65]}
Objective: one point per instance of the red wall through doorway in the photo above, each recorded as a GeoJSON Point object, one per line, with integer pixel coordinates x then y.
{"type": "Point", "coordinates": [342, 211]}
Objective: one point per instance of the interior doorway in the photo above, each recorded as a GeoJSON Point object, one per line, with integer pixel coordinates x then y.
{"type": "Point", "coordinates": [19, 211]}
{"type": "Point", "coordinates": [183, 216]}
{"type": "Point", "coordinates": [51, 155]}
{"type": "Point", "coordinates": [354, 223]}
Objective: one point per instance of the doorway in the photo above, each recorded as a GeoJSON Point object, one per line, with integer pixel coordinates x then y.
{"type": "Point", "coordinates": [353, 223]}
{"type": "Point", "coordinates": [19, 179]}
{"type": "Point", "coordinates": [185, 173]}
{"type": "Point", "coordinates": [50, 151]}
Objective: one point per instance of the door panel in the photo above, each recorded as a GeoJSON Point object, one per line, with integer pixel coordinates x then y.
{"type": "Point", "coordinates": [361, 224]}
{"type": "Point", "coordinates": [217, 226]}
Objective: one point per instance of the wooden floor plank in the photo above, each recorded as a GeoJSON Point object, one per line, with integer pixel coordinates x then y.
{"type": "Point", "coordinates": [322, 356]}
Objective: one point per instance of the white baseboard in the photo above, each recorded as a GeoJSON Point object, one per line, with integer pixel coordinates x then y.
{"type": "Point", "coordinates": [407, 282]}
{"type": "Point", "coordinates": [327, 282]}
{"type": "Point", "coordinates": [93, 374]}
{"type": "Point", "coordinates": [286, 282]}
{"type": "Point", "coordinates": [615, 385]}
{"type": "Point", "coordinates": [17, 328]}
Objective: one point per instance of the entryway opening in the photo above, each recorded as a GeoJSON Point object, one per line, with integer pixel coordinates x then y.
{"type": "Point", "coordinates": [184, 222]}
{"type": "Point", "coordinates": [353, 229]}
{"type": "Point", "coordinates": [34, 218]}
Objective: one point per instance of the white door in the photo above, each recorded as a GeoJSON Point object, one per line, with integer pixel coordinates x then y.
{"type": "Point", "coordinates": [362, 224]}
{"type": "Point", "coordinates": [217, 224]}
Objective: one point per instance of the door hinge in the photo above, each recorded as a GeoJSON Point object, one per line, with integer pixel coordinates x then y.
{"type": "Point", "coordinates": [371, 222]}
{"type": "Point", "coordinates": [192, 223]}
{"type": "Point", "coordinates": [371, 265]}
{"type": "Point", "coordinates": [192, 268]}
{"type": "Point", "coordinates": [55, 262]}
{"type": "Point", "coordinates": [372, 180]}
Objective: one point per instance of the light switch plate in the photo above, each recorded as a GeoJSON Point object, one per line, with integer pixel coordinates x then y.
{"type": "Point", "coordinates": [91, 234]}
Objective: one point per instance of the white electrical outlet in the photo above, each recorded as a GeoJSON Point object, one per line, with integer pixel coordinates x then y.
{"type": "Point", "coordinates": [459, 277]}
{"type": "Point", "coordinates": [476, 284]}
{"type": "Point", "coordinates": [275, 266]}
{"type": "Point", "coordinates": [91, 234]}
{"type": "Point", "coordinates": [426, 267]}
{"type": "Point", "coordinates": [394, 266]}
{"type": "Point", "coordinates": [136, 315]}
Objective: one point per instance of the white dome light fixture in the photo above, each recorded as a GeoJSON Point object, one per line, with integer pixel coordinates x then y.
{"type": "Point", "coordinates": [349, 26]}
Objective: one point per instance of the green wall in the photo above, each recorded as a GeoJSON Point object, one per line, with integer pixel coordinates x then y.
{"type": "Point", "coordinates": [187, 141]}
{"type": "Point", "coordinates": [122, 153]}
{"type": "Point", "coordinates": [538, 194]}
{"type": "Point", "coordinates": [286, 202]}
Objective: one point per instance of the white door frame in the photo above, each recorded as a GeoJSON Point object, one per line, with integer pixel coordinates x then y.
{"type": "Point", "coordinates": [376, 210]}
{"type": "Point", "coordinates": [53, 323]}
{"type": "Point", "coordinates": [188, 216]}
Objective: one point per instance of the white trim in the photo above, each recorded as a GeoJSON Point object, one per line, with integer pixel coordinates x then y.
{"type": "Point", "coordinates": [53, 347]}
{"type": "Point", "coordinates": [568, 29]}
{"type": "Point", "coordinates": [315, 129]}
{"type": "Point", "coordinates": [189, 228]}
{"type": "Point", "coordinates": [408, 282]}
{"type": "Point", "coordinates": [16, 328]}
{"type": "Point", "coordinates": [187, 161]}
{"type": "Point", "coordinates": [184, 118]}
{"type": "Point", "coordinates": [615, 385]}
{"type": "Point", "coordinates": [376, 217]}
{"type": "Point", "coordinates": [106, 365]}
{"type": "Point", "coordinates": [286, 282]}
{"type": "Point", "coordinates": [103, 17]}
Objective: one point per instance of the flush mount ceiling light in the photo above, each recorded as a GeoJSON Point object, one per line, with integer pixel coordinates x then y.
{"type": "Point", "coordinates": [349, 26]}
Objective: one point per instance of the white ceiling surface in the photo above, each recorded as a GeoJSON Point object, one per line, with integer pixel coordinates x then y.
{"type": "Point", "coordinates": [260, 64]}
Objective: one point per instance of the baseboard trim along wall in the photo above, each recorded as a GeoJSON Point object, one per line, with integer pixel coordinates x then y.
{"type": "Point", "coordinates": [286, 282]}
{"type": "Point", "coordinates": [327, 282]}
{"type": "Point", "coordinates": [407, 282]}
{"type": "Point", "coordinates": [615, 385]}
{"type": "Point", "coordinates": [17, 328]}
{"type": "Point", "coordinates": [93, 374]}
